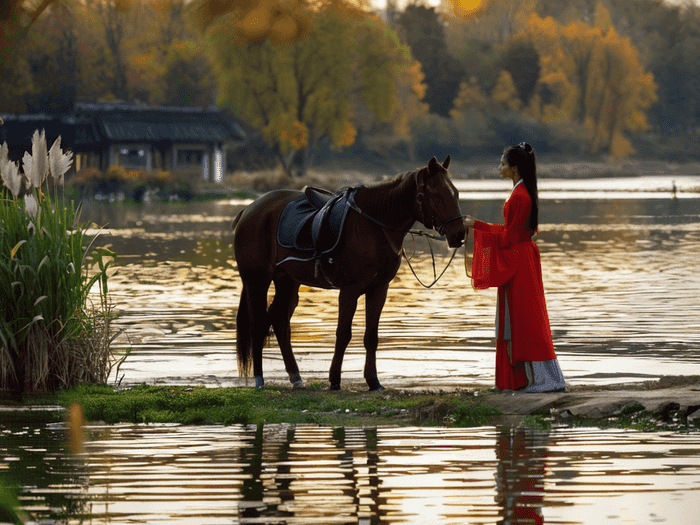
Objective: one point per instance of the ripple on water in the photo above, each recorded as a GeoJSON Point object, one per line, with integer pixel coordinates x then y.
{"type": "Point", "coordinates": [309, 474]}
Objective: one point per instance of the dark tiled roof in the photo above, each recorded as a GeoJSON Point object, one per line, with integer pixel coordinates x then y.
{"type": "Point", "coordinates": [143, 123]}
{"type": "Point", "coordinates": [98, 123]}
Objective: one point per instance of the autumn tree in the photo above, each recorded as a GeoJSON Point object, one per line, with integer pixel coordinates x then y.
{"type": "Point", "coordinates": [16, 19]}
{"type": "Point", "coordinates": [592, 76]}
{"type": "Point", "coordinates": [300, 91]}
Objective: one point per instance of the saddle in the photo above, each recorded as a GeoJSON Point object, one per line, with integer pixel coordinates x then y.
{"type": "Point", "coordinates": [313, 223]}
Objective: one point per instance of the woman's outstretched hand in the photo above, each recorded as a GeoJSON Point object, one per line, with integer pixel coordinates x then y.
{"type": "Point", "coordinates": [468, 222]}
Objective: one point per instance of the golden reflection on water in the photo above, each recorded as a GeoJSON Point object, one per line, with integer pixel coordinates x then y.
{"type": "Point", "coordinates": [620, 280]}
{"type": "Point", "coordinates": [306, 474]}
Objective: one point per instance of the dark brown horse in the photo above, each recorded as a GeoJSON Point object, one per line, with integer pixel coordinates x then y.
{"type": "Point", "coordinates": [364, 261]}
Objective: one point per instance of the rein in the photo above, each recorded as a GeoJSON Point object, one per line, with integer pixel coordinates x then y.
{"type": "Point", "coordinates": [420, 198]}
{"type": "Point", "coordinates": [432, 255]}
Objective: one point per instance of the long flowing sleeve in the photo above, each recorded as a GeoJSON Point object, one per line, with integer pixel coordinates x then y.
{"type": "Point", "coordinates": [496, 253]}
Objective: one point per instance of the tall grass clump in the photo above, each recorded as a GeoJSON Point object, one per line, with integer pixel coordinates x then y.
{"type": "Point", "coordinates": [52, 335]}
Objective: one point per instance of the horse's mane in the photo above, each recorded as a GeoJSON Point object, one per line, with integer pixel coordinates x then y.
{"type": "Point", "coordinates": [387, 199]}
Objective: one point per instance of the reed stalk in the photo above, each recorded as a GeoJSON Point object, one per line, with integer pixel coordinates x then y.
{"type": "Point", "coordinates": [51, 334]}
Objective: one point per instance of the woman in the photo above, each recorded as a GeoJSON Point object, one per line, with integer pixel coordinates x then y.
{"type": "Point", "coordinates": [525, 358]}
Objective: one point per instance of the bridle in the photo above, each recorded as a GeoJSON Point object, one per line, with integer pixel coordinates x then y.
{"type": "Point", "coordinates": [420, 199]}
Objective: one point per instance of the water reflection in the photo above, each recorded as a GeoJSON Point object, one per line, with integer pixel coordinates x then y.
{"type": "Point", "coordinates": [620, 279]}
{"type": "Point", "coordinates": [307, 474]}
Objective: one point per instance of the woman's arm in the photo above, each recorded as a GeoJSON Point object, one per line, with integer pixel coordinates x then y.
{"type": "Point", "coordinates": [517, 215]}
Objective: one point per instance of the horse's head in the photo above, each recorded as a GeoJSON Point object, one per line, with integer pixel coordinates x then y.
{"type": "Point", "coordinates": [438, 202]}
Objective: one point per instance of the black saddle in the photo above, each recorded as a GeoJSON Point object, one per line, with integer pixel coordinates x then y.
{"type": "Point", "coordinates": [313, 223]}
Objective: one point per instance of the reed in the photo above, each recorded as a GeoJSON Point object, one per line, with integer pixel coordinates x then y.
{"type": "Point", "coordinates": [55, 315]}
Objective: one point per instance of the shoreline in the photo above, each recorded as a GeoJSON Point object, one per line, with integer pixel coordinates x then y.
{"type": "Point", "coordinates": [671, 403]}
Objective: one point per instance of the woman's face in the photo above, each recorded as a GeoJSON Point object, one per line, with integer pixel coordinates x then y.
{"type": "Point", "coordinates": [508, 172]}
{"type": "Point", "coordinates": [505, 170]}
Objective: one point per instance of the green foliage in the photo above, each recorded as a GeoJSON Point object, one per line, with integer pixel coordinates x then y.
{"type": "Point", "coordinates": [45, 282]}
{"type": "Point", "coordinates": [468, 414]}
{"type": "Point", "coordinates": [9, 505]}
{"type": "Point", "coordinates": [300, 92]}
{"type": "Point", "coordinates": [200, 405]}
{"type": "Point", "coordinates": [422, 28]}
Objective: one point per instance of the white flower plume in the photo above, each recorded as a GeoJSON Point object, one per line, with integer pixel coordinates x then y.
{"type": "Point", "coordinates": [3, 153]}
{"type": "Point", "coordinates": [59, 162]}
{"type": "Point", "coordinates": [36, 165]}
{"type": "Point", "coordinates": [11, 176]}
{"type": "Point", "coordinates": [31, 205]}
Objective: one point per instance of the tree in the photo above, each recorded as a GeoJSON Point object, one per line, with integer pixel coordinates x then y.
{"type": "Point", "coordinates": [188, 79]}
{"type": "Point", "coordinates": [422, 29]}
{"type": "Point", "coordinates": [54, 61]}
{"type": "Point", "coordinates": [591, 76]}
{"type": "Point", "coordinates": [522, 62]}
{"type": "Point", "coordinates": [112, 18]}
{"type": "Point", "coordinates": [16, 18]}
{"type": "Point", "coordinates": [301, 91]}
{"type": "Point", "coordinates": [505, 94]}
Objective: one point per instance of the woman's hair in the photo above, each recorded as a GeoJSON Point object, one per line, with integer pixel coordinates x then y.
{"type": "Point", "coordinates": [523, 156]}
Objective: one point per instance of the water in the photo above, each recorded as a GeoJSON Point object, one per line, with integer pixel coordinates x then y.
{"type": "Point", "coordinates": [621, 275]}
{"type": "Point", "coordinates": [307, 474]}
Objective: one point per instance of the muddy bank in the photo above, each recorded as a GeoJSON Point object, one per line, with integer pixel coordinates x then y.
{"type": "Point", "coordinates": [669, 396]}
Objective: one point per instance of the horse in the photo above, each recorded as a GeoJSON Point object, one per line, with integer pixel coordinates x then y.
{"type": "Point", "coordinates": [365, 259]}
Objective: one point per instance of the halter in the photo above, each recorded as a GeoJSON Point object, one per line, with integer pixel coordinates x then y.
{"type": "Point", "coordinates": [420, 198]}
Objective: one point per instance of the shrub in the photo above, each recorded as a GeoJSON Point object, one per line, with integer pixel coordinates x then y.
{"type": "Point", "coordinates": [51, 335]}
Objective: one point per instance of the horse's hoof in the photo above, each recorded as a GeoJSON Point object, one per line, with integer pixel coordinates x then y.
{"type": "Point", "coordinates": [334, 387]}
{"type": "Point", "coordinates": [298, 384]}
{"type": "Point", "coordinates": [376, 387]}
{"type": "Point", "coordinates": [259, 382]}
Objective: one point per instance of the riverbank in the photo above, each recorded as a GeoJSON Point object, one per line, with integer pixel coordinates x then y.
{"type": "Point", "coordinates": [671, 403]}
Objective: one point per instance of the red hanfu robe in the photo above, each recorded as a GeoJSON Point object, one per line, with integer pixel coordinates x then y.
{"type": "Point", "coordinates": [515, 269]}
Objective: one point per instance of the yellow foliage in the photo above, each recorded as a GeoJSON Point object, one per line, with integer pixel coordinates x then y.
{"type": "Point", "coordinates": [347, 138]}
{"type": "Point", "coordinates": [591, 75]}
{"type": "Point", "coordinates": [470, 96]}
{"type": "Point", "coordinates": [505, 94]}
{"type": "Point", "coordinates": [256, 20]}
{"type": "Point", "coordinates": [292, 133]}
{"type": "Point", "coordinates": [350, 69]}
{"type": "Point", "coordinates": [620, 147]}
{"type": "Point", "coordinates": [416, 77]}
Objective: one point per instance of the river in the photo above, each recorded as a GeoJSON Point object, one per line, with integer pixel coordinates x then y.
{"type": "Point", "coordinates": [620, 269]}
{"type": "Point", "coordinates": [621, 274]}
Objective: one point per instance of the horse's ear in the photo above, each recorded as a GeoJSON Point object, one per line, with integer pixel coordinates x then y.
{"type": "Point", "coordinates": [446, 162]}
{"type": "Point", "coordinates": [433, 165]}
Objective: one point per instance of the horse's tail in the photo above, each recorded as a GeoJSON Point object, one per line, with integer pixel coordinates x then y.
{"type": "Point", "coordinates": [244, 342]}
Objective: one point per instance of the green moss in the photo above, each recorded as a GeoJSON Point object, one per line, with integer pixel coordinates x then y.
{"type": "Point", "coordinates": [200, 405]}
{"type": "Point", "coordinates": [468, 414]}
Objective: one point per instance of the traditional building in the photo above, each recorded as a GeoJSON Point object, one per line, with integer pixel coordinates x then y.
{"type": "Point", "coordinates": [134, 136]}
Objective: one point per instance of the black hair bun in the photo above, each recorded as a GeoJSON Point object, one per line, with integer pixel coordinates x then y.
{"type": "Point", "coordinates": [525, 147]}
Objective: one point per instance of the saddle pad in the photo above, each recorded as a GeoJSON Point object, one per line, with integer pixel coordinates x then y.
{"type": "Point", "coordinates": [296, 217]}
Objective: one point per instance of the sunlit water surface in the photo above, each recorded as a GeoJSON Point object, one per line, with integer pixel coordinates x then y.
{"type": "Point", "coordinates": [621, 275]}
{"type": "Point", "coordinates": [306, 474]}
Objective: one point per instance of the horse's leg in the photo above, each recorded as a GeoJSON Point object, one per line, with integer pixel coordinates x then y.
{"type": "Point", "coordinates": [374, 303]}
{"type": "Point", "coordinates": [347, 304]}
{"type": "Point", "coordinates": [281, 310]}
{"type": "Point", "coordinates": [260, 327]}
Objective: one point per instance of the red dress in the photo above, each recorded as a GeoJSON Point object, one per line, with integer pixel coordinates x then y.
{"type": "Point", "coordinates": [515, 269]}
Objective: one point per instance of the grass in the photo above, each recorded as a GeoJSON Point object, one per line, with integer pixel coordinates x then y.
{"type": "Point", "coordinates": [313, 405]}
